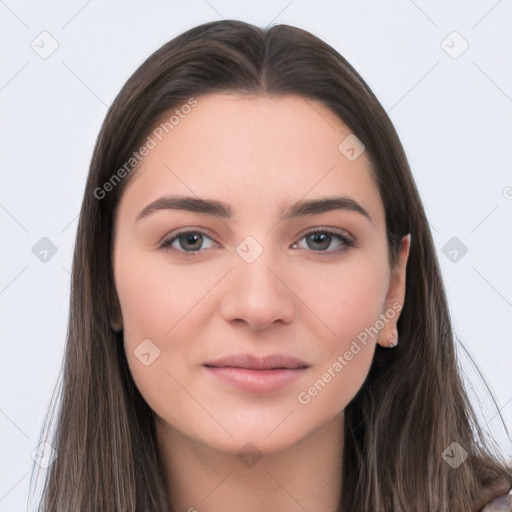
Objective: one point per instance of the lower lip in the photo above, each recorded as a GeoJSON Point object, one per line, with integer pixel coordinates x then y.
{"type": "Point", "coordinates": [256, 381]}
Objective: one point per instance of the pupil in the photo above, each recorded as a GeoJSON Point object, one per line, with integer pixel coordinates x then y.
{"type": "Point", "coordinates": [190, 239]}
{"type": "Point", "coordinates": [322, 238]}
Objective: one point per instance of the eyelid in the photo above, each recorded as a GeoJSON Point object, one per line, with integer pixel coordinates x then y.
{"type": "Point", "coordinates": [166, 241]}
{"type": "Point", "coordinates": [343, 233]}
{"type": "Point", "coordinates": [181, 231]}
{"type": "Point", "coordinates": [347, 240]}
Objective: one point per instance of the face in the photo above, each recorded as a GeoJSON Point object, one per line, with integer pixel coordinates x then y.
{"type": "Point", "coordinates": [215, 298]}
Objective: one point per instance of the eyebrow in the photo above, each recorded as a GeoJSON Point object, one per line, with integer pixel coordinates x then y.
{"type": "Point", "coordinates": [224, 210]}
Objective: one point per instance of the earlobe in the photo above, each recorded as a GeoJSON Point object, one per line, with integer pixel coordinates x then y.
{"type": "Point", "coordinates": [116, 325]}
{"type": "Point", "coordinates": [392, 339]}
{"type": "Point", "coordinates": [115, 317]}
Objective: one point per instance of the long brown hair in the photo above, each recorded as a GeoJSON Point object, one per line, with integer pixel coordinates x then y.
{"type": "Point", "coordinates": [411, 407]}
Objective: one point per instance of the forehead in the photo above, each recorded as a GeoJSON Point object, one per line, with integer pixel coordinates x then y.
{"type": "Point", "coordinates": [250, 150]}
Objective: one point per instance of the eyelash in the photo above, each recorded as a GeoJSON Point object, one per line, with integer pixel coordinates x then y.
{"type": "Point", "coordinates": [347, 241]}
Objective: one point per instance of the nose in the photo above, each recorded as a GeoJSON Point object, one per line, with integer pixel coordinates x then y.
{"type": "Point", "coordinates": [258, 295]}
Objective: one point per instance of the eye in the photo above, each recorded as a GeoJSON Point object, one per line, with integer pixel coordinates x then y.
{"type": "Point", "coordinates": [190, 243]}
{"type": "Point", "coordinates": [187, 242]}
{"type": "Point", "coordinates": [321, 239]}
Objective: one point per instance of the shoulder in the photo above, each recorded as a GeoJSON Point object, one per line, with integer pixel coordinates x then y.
{"type": "Point", "coordinates": [500, 504]}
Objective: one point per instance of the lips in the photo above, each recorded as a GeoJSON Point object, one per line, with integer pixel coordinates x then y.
{"type": "Point", "coordinates": [256, 374]}
{"type": "Point", "coordinates": [252, 362]}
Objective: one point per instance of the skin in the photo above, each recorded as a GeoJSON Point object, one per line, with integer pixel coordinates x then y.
{"type": "Point", "coordinates": [258, 154]}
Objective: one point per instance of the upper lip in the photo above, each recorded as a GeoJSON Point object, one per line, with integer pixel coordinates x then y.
{"type": "Point", "coordinates": [252, 362]}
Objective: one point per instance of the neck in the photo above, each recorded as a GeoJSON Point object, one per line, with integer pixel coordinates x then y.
{"type": "Point", "coordinates": [306, 476]}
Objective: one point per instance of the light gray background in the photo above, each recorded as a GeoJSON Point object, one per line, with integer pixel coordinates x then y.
{"type": "Point", "coordinates": [453, 116]}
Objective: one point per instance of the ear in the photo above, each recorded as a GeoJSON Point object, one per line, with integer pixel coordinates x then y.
{"type": "Point", "coordinates": [114, 314]}
{"type": "Point", "coordinates": [388, 336]}
{"type": "Point", "coordinates": [116, 324]}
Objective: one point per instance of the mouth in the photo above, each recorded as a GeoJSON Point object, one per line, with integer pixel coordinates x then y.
{"type": "Point", "coordinates": [257, 374]}
{"type": "Point", "coordinates": [251, 362]}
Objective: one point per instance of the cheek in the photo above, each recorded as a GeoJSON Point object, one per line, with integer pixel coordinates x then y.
{"type": "Point", "coordinates": [348, 297]}
{"type": "Point", "coordinates": [351, 305]}
{"type": "Point", "coordinates": [157, 304]}
{"type": "Point", "coordinates": [155, 295]}
{"type": "Point", "coordinates": [166, 304]}
{"type": "Point", "coordinates": [332, 389]}
{"type": "Point", "coordinates": [349, 302]}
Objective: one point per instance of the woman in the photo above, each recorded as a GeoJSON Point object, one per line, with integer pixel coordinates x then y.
{"type": "Point", "coordinates": [258, 320]}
